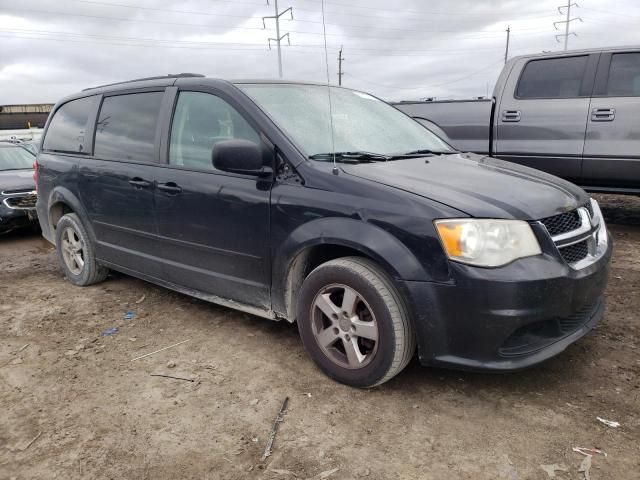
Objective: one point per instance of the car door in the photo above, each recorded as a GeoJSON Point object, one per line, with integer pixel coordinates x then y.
{"type": "Point", "coordinates": [213, 225]}
{"type": "Point", "coordinates": [612, 146]}
{"type": "Point", "coordinates": [117, 182]}
{"type": "Point", "coordinates": [541, 118]}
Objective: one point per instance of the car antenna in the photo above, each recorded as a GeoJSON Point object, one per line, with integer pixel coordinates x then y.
{"type": "Point", "coordinates": [326, 59]}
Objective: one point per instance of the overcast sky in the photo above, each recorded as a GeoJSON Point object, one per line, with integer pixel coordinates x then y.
{"type": "Point", "coordinates": [400, 49]}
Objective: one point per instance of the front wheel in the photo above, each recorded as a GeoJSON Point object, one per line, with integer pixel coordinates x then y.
{"type": "Point", "coordinates": [76, 253]}
{"type": "Point", "coordinates": [353, 322]}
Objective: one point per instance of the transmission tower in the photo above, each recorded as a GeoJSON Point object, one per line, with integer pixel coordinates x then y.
{"type": "Point", "coordinates": [566, 22]}
{"type": "Point", "coordinates": [279, 37]}
{"type": "Point", "coordinates": [340, 60]}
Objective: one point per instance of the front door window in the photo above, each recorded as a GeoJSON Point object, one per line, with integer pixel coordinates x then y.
{"type": "Point", "coordinates": [200, 121]}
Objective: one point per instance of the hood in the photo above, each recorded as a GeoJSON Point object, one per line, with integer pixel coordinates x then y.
{"type": "Point", "coordinates": [479, 186]}
{"type": "Point", "coordinates": [16, 180]}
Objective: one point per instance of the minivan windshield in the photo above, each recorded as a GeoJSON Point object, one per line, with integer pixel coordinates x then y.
{"type": "Point", "coordinates": [364, 126]}
{"type": "Point", "coordinates": [15, 158]}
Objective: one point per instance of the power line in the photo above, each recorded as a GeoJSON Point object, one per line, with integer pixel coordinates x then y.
{"type": "Point", "coordinates": [207, 46]}
{"type": "Point", "coordinates": [130, 20]}
{"type": "Point", "coordinates": [566, 22]}
{"type": "Point", "coordinates": [169, 10]}
{"type": "Point", "coordinates": [476, 72]}
{"type": "Point", "coordinates": [226, 27]}
{"type": "Point", "coordinates": [84, 42]}
{"type": "Point", "coordinates": [193, 12]}
{"type": "Point", "coordinates": [609, 21]}
{"type": "Point", "coordinates": [235, 2]}
{"type": "Point", "coordinates": [607, 12]}
{"type": "Point", "coordinates": [342, 5]}
{"type": "Point", "coordinates": [356, 49]}
{"type": "Point", "coordinates": [417, 12]}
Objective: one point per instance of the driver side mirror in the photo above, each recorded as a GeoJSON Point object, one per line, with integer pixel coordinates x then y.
{"type": "Point", "coordinates": [239, 156]}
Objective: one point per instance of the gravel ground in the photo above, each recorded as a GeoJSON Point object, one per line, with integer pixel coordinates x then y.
{"type": "Point", "coordinates": [73, 404]}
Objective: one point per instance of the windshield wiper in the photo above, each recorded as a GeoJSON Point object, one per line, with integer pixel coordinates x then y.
{"type": "Point", "coordinates": [356, 156]}
{"type": "Point", "coordinates": [426, 151]}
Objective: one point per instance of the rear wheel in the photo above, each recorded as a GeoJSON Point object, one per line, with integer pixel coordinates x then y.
{"type": "Point", "coordinates": [76, 253]}
{"type": "Point", "coordinates": [353, 322]}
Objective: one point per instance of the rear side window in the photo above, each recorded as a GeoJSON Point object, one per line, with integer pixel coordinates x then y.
{"type": "Point", "coordinates": [624, 75]}
{"type": "Point", "coordinates": [552, 78]}
{"type": "Point", "coordinates": [126, 128]}
{"type": "Point", "coordinates": [68, 126]}
{"type": "Point", "coordinates": [200, 121]}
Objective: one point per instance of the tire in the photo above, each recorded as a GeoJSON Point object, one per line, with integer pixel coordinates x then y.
{"type": "Point", "coordinates": [374, 340]}
{"type": "Point", "coordinates": [76, 253]}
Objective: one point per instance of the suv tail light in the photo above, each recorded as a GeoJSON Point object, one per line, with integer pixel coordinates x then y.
{"type": "Point", "coordinates": [35, 173]}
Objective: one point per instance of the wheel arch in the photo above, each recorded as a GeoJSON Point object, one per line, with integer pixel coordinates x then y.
{"type": "Point", "coordinates": [326, 239]}
{"type": "Point", "coordinates": [61, 202]}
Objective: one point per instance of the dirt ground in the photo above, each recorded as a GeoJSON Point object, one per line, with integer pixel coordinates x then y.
{"type": "Point", "coordinates": [73, 404]}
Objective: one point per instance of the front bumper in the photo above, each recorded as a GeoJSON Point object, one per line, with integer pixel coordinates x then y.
{"type": "Point", "coordinates": [507, 318]}
{"type": "Point", "coordinates": [11, 219]}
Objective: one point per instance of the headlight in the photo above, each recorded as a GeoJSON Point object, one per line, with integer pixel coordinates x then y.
{"type": "Point", "coordinates": [487, 243]}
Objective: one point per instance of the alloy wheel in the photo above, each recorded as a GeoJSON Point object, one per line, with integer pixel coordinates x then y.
{"type": "Point", "coordinates": [72, 251]}
{"type": "Point", "coordinates": [344, 326]}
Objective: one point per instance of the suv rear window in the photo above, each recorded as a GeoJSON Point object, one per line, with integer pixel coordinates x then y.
{"type": "Point", "coordinates": [552, 78]}
{"type": "Point", "coordinates": [68, 126]}
{"type": "Point", "coordinates": [126, 128]}
{"type": "Point", "coordinates": [624, 75]}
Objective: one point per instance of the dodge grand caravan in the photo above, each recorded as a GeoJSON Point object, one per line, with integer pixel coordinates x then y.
{"type": "Point", "coordinates": [327, 207]}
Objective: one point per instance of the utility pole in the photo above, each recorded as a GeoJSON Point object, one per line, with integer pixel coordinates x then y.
{"type": "Point", "coordinates": [279, 37]}
{"type": "Point", "coordinates": [506, 50]}
{"type": "Point", "coordinates": [566, 22]}
{"type": "Point", "coordinates": [340, 59]}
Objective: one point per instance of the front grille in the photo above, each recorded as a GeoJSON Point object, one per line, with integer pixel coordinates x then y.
{"type": "Point", "coordinates": [537, 335]}
{"type": "Point", "coordinates": [562, 223]}
{"type": "Point", "coordinates": [568, 224]}
{"type": "Point", "coordinates": [576, 252]}
{"type": "Point", "coordinates": [27, 201]}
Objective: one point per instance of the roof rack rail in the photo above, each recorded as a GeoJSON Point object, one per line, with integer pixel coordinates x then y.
{"type": "Point", "coordinates": [171, 75]}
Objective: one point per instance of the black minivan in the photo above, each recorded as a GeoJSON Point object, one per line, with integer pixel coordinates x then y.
{"type": "Point", "coordinates": [328, 207]}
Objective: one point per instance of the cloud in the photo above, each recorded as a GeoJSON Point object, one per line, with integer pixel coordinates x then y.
{"type": "Point", "coordinates": [402, 50]}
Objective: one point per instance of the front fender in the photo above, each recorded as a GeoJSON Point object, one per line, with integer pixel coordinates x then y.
{"type": "Point", "coordinates": [371, 240]}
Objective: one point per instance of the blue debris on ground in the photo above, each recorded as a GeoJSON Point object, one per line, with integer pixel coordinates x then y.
{"type": "Point", "coordinates": [109, 332]}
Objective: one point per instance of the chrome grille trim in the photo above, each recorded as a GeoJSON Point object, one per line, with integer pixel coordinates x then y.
{"type": "Point", "coordinates": [585, 228]}
{"type": "Point", "coordinates": [22, 191]}
{"type": "Point", "coordinates": [591, 230]}
{"type": "Point", "coordinates": [29, 195]}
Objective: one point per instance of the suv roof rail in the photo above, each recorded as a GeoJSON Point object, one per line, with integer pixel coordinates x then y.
{"type": "Point", "coordinates": [170, 75]}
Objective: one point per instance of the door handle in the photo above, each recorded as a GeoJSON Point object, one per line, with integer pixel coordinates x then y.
{"type": "Point", "coordinates": [139, 182]}
{"type": "Point", "coordinates": [511, 115]}
{"type": "Point", "coordinates": [170, 187]}
{"type": "Point", "coordinates": [603, 114]}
